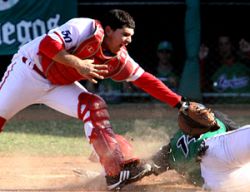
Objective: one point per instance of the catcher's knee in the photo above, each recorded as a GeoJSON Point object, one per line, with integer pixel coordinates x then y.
{"type": "Point", "coordinates": [92, 109]}
{"type": "Point", "coordinates": [97, 109]}
{"type": "Point", "coordinates": [2, 122]}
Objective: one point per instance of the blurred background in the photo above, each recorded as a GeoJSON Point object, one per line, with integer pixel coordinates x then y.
{"type": "Point", "coordinates": [200, 49]}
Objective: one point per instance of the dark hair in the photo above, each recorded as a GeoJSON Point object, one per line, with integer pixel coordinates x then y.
{"type": "Point", "coordinates": [229, 123]}
{"type": "Point", "coordinates": [117, 18]}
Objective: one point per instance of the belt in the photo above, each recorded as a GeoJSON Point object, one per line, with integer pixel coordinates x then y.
{"type": "Point", "coordinates": [35, 68]}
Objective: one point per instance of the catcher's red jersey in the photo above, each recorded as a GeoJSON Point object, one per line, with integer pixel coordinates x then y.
{"type": "Point", "coordinates": [83, 37]}
{"type": "Point", "coordinates": [120, 66]}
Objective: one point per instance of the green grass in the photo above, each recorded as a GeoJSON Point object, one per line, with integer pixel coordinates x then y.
{"type": "Point", "coordinates": [44, 138]}
{"type": "Point", "coordinates": [66, 137]}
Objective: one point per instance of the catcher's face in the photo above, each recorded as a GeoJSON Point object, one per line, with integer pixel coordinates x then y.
{"type": "Point", "coordinates": [115, 39]}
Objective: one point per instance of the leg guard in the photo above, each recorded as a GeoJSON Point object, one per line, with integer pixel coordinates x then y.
{"type": "Point", "coordinates": [102, 136]}
{"type": "Point", "coordinates": [126, 149]}
{"type": "Point", "coordinates": [2, 122]}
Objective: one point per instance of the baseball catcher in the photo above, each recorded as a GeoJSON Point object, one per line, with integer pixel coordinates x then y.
{"type": "Point", "coordinates": [83, 49]}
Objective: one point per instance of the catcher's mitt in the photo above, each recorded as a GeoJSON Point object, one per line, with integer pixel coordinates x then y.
{"type": "Point", "coordinates": [195, 119]}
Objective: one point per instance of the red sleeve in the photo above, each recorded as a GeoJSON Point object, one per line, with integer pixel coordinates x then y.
{"type": "Point", "coordinates": [157, 89]}
{"type": "Point", "coordinates": [50, 47]}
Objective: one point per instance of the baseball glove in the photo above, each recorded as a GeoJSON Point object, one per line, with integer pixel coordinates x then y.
{"type": "Point", "coordinates": [195, 119]}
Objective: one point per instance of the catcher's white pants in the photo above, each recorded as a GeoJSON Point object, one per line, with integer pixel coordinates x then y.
{"type": "Point", "coordinates": [226, 164]}
{"type": "Point", "coordinates": [21, 86]}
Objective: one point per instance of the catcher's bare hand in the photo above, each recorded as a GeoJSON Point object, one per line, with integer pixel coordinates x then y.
{"type": "Point", "coordinates": [91, 70]}
{"type": "Point", "coordinates": [85, 67]}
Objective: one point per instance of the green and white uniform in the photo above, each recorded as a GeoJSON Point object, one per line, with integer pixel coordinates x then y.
{"type": "Point", "coordinates": [224, 167]}
{"type": "Point", "coordinates": [184, 149]}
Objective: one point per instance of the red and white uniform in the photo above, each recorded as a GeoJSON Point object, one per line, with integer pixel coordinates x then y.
{"type": "Point", "coordinates": [33, 77]}
{"type": "Point", "coordinates": [21, 78]}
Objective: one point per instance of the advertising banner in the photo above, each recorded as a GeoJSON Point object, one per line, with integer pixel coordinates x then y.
{"type": "Point", "coordinates": [23, 20]}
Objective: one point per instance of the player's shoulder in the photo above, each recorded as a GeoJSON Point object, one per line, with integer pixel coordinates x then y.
{"type": "Point", "coordinates": [81, 25]}
{"type": "Point", "coordinates": [79, 21]}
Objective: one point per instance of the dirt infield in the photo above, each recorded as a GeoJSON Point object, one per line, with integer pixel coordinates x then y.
{"type": "Point", "coordinates": [33, 173]}
{"type": "Point", "coordinates": [73, 174]}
